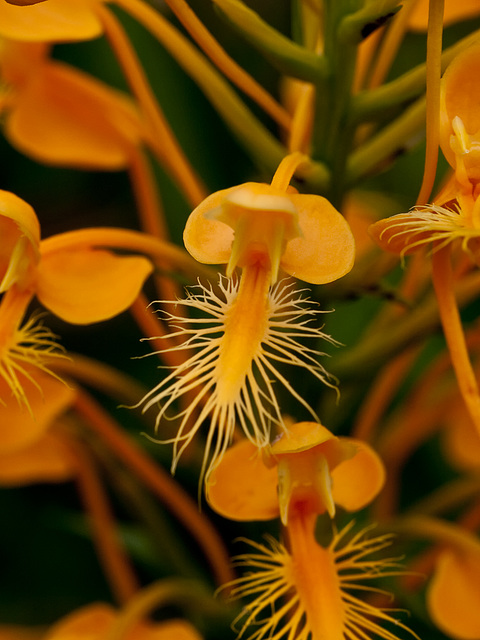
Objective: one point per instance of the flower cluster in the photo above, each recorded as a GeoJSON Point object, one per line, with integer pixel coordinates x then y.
{"type": "Point", "coordinates": [298, 297]}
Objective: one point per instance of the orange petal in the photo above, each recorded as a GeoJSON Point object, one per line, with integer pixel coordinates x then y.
{"type": "Point", "coordinates": [241, 487]}
{"type": "Point", "coordinates": [398, 234]}
{"type": "Point", "coordinates": [168, 630]}
{"type": "Point", "coordinates": [209, 241]}
{"type": "Point", "coordinates": [88, 285]}
{"type": "Point", "coordinates": [18, 427]}
{"type": "Point", "coordinates": [326, 249]}
{"type": "Point", "coordinates": [66, 117]}
{"type": "Point", "coordinates": [454, 11]}
{"type": "Point", "coordinates": [460, 96]}
{"type": "Point", "coordinates": [454, 595]}
{"type": "Point", "coordinates": [46, 460]}
{"type": "Point", "coordinates": [92, 622]}
{"type": "Point", "coordinates": [50, 21]}
{"type": "Point", "coordinates": [359, 479]}
{"type": "Point", "coordinates": [20, 238]}
{"type": "Point", "coordinates": [24, 3]}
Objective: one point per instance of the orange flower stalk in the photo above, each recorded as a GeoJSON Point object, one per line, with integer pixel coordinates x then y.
{"type": "Point", "coordinates": [80, 284]}
{"type": "Point", "coordinates": [255, 322]}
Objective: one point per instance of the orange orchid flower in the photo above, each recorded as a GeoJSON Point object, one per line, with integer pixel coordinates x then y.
{"type": "Point", "coordinates": [306, 466]}
{"type": "Point", "coordinates": [302, 590]}
{"type": "Point", "coordinates": [96, 622]}
{"type": "Point", "coordinates": [457, 219]}
{"type": "Point", "coordinates": [254, 322]}
{"type": "Point", "coordinates": [308, 591]}
{"type": "Point", "coordinates": [79, 283]}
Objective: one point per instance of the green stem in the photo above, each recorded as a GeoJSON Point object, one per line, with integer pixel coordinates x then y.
{"type": "Point", "coordinates": [371, 104]}
{"type": "Point", "coordinates": [389, 142]}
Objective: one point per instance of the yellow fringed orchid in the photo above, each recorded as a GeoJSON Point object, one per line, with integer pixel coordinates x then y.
{"type": "Point", "coordinates": [79, 283]}
{"type": "Point", "coordinates": [305, 591]}
{"type": "Point", "coordinates": [458, 218]}
{"type": "Point", "coordinates": [253, 323]}
{"type": "Point", "coordinates": [306, 466]}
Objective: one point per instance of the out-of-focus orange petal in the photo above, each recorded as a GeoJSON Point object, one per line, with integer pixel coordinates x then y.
{"type": "Point", "coordinates": [66, 117]}
{"type": "Point", "coordinates": [454, 11]}
{"type": "Point", "coordinates": [20, 238]}
{"type": "Point", "coordinates": [241, 487]}
{"type": "Point", "coordinates": [461, 442]}
{"type": "Point", "coordinates": [209, 241]}
{"type": "Point", "coordinates": [168, 630]}
{"type": "Point", "coordinates": [393, 234]}
{"type": "Point", "coordinates": [96, 622]}
{"type": "Point", "coordinates": [17, 632]}
{"type": "Point", "coordinates": [89, 285]}
{"type": "Point", "coordinates": [326, 249]}
{"type": "Point", "coordinates": [20, 428]}
{"type": "Point", "coordinates": [359, 479]}
{"type": "Point", "coordinates": [46, 460]}
{"type": "Point", "coordinates": [460, 96]}
{"type": "Point", "coordinates": [92, 622]}
{"type": "Point", "coordinates": [454, 595]}
{"type": "Point", "coordinates": [50, 21]}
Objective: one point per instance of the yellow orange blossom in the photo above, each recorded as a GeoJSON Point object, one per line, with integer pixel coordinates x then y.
{"type": "Point", "coordinates": [302, 590]}
{"type": "Point", "coordinates": [307, 591]}
{"type": "Point", "coordinates": [308, 464]}
{"type": "Point", "coordinates": [96, 622]}
{"type": "Point", "coordinates": [253, 323]}
{"type": "Point", "coordinates": [457, 219]}
{"type": "Point", "coordinates": [80, 284]}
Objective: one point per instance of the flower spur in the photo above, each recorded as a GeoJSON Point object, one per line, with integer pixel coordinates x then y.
{"type": "Point", "coordinates": [253, 324]}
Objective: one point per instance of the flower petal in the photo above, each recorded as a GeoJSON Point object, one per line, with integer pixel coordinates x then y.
{"type": "Point", "coordinates": [241, 487]}
{"type": "Point", "coordinates": [399, 234]}
{"type": "Point", "coordinates": [46, 460]}
{"type": "Point", "coordinates": [89, 285]}
{"type": "Point", "coordinates": [52, 21]}
{"type": "Point", "coordinates": [326, 249]}
{"type": "Point", "coordinates": [208, 240]}
{"type": "Point", "coordinates": [460, 95]}
{"type": "Point", "coordinates": [20, 234]}
{"type": "Point", "coordinates": [19, 428]}
{"type": "Point", "coordinates": [358, 480]}
{"type": "Point", "coordinates": [454, 595]}
{"type": "Point", "coordinates": [66, 117]}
